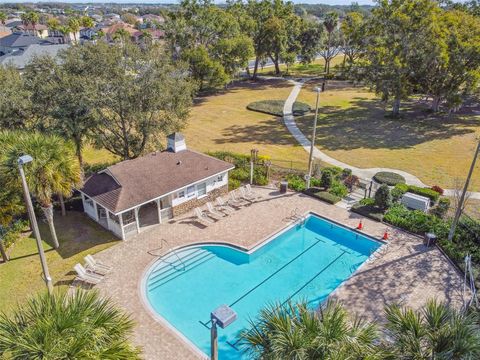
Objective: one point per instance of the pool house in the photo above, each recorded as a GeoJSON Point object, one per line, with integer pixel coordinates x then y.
{"type": "Point", "coordinates": [133, 195]}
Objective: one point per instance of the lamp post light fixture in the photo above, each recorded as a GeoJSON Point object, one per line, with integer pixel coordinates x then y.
{"type": "Point", "coordinates": [221, 316]}
{"type": "Point", "coordinates": [253, 160]}
{"type": "Point", "coordinates": [22, 160]}
{"type": "Point", "coordinates": [458, 211]}
{"type": "Point", "coordinates": [312, 141]}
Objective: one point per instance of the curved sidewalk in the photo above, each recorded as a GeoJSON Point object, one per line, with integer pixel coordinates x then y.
{"type": "Point", "coordinates": [291, 125]}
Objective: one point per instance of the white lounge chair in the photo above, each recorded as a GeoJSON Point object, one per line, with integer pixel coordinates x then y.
{"type": "Point", "coordinates": [84, 276]}
{"type": "Point", "coordinates": [214, 212]}
{"type": "Point", "coordinates": [202, 217]}
{"type": "Point", "coordinates": [95, 266]}
{"type": "Point", "coordinates": [233, 198]}
{"type": "Point", "coordinates": [246, 196]}
{"type": "Point", "coordinates": [223, 206]}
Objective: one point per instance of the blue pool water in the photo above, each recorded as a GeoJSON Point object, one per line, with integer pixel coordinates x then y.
{"type": "Point", "coordinates": [307, 261]}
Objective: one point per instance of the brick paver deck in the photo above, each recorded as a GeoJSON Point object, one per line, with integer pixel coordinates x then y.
{"type": "Point", "coordinates": [408, 272]}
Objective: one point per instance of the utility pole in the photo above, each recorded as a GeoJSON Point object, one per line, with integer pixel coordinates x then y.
{"type": "Point", "coordinates": [458, 211]}
{"type": "Point", "coordinates": [33, 222]}
{"type": "Point", "coordinates": [312, 141]}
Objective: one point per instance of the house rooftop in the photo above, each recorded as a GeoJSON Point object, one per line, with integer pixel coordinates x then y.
{"type": "Point", "coordinates": [21, 58]}
{"type": "Point", "coordinates": [19, 40]}
{"type": "Point", "coordinates": [133, 182]}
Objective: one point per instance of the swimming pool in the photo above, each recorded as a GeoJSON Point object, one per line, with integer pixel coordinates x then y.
{"type": "Point", "coordinates": [307, 260]}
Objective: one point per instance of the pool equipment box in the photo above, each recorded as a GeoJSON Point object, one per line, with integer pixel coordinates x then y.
{"type": "Point", "coordinates": [224, 316]}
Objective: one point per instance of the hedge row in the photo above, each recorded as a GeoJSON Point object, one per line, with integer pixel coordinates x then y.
{"type": "Point", "coordinates": [431, 194]}
{"type": "Point", "coordinates": [323, 195]}
{"type": "Point", "coordinates": [275, 107]}
{"type": "Point", "coordinates": [388, 178]}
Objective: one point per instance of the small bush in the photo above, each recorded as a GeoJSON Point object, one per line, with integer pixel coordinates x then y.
{"type": "Point", "coordinates": [240, 174]}
{"type": "Point", "coordinates": [338, 189]}
{"type": "Point", "coordinates": [383, 198]}
{"type": "Point", "coordinates": [389, 178]}
{"type": "Point", "coordinates": [233, 184]}
{"type": "Point", "coordinates": [323, 195]}
{"type": "Point", "coordinates": [397, 193]}
{"type": "Point", "coordinates": [334, 170]}
{"type": "Point", "coordinates": [367, 201]}
{"type": "Point", "coordinates": [346, 173]}
{"type": "Point", "coordinates": [315, 182]}
{"type": "Point", "coordinates": [442, 208]}
{"type": "Point", "coordinates": [275, 107]}
{"type": "Point", "coordinates": [327, 179]}
{"type": "Point", "coordinates": [260, 179]}
{"type": "Point", "coordinates": [438, 189]}
{"type": "Point", "coordinates": [295, 182]}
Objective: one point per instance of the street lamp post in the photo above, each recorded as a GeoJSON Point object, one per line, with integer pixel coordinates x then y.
{"type": "Point", "coordinates": [223, 316]}
{"type": "Point", "coordinates": [458, 211]}
{"type": "Point", "coordinates": [312, 142]}
{"type": "Point", "coordinates": [22, 160]}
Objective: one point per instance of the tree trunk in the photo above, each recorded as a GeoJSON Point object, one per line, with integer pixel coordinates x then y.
{"type": "Point", "coordinates": [3, 252]}
{"type": "Point", "coordinates": [62, 204]}
{"type": "Point", "coordinates": [247, 70]}
{"type": "Point", "coordinates": [78, 150]}
{"type": "Point", "coordinates": [277, 66]}
{"type": "Point", "coordinates": [48, 211]}
{"type": "Point", "coordinates": [436, 103]}
{"type": "Point", "coordinates": [396, 107]}
{"type": "Point", "coordinates": [255, 68]}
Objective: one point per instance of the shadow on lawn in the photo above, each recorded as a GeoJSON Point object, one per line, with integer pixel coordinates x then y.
{"type": "Point", "coordinates": [76, 233]}
{"type": "Point", "coordinates": [364, 125]}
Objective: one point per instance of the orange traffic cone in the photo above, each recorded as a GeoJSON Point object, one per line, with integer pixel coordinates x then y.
{"type": "Point", "coordinates": [385, 235]}
{"type": "Point", "coordinates": [360, 225]}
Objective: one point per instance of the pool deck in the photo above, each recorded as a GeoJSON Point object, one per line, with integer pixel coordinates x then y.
{"type": "Point", "coordinates": [407, 272]}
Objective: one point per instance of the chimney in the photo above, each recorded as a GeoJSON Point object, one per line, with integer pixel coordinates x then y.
{"type": "Point", "coordinates": [176, 142]}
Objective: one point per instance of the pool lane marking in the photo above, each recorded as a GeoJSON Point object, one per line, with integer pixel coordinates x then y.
{"type": "Point", "coordinates": [265, 280]}
{"type": "Point", "coordinates": [234, 345]}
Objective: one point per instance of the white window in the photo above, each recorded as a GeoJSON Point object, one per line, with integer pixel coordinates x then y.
{"type": "Point", "coordinates": [181, 194]}
{"type": "Point", "coordinates": [88, 201]}
{"type": "Point", "coordinates": [191, 191]}
{"type": "Point", "coordinates": [220, 178]}
{"type": "Point", "coordinates": [128, 217]}
{"type": "Point", "coordinates": [201, 189]}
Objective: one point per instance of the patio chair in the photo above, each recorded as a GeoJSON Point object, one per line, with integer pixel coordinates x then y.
{"type": "Point", "coordinates": [223, 205]}
{"type": "Point", "coordinates": [95, 266]}
{"type": "Point", "coordinates": [202, 217]}
{"type": "Point", "coordinates": [246, 196]}
{"type": "Point", "coordinates": [214, 212]}
{"type": "Point", "coordinates": [233, 199]}
{"type": "Point", "coordinates": [86, 277]}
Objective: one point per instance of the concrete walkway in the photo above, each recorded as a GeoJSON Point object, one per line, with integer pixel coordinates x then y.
{"type": "Point", "coordinates": [291, 125]}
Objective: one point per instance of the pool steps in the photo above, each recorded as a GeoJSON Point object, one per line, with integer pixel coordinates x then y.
{"type": "Point", "coordinates": [173, 266]}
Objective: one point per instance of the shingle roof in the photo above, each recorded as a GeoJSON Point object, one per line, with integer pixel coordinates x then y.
{"type": "Point", "coordinates": [17, 40]}
{"type": "Point", "coordinates": [20, 59]}
{"type": "Point", "coordinates": [133, 182]}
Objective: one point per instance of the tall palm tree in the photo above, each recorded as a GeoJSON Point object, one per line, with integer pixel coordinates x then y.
{"type": "Point", "coordinates": [437, 331]}
{"type": "Point", "coordinates": [330, 23]}
{"type": "Point", "coordinates": [297, 332]}
{"type": "Point", "coordinates": [54, 169]}
{"type": "Point", "coordinates": [74, 26]}
{"type": "Point", "coordinates": [78, 326]}
{"type": "Point", "coordinates": [3, 18]}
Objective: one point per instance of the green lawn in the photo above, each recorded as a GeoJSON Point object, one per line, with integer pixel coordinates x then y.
{"type": "Point", "coordinates": [21, 276]}
{"type": "Point", "coordinates": [316, 68]}
{"type": "Point", "coordinates": [353, 128]}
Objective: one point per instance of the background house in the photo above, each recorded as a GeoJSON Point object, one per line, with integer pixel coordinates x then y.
{"type": "Point", "coordinates": [134, 194]}
{"type": "Point", "coordinates": [21, 57]}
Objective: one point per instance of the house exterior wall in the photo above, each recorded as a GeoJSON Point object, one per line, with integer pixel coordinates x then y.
{"type": "Point", "coordinates": [188, 205]}
{"type": "Point", "coordinates": [89, 208]}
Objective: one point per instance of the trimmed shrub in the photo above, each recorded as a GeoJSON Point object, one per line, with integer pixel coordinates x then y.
{"type": "Point", "coordinates": [442, 208]}
{"type": "Point", "coordinates": [415, 221]}
{"type": "Point", "coordinates": [338, 189]}
{"type": "Point", "coordinates": [383, 198]}
{"type": "Point", "coordinates": [323, 195]}
{"type": "Point", "coordinates": [295, 182]}
{"type": "Point", "coordinates": [233, 184]}
{"type": "Point", "coordinates": [346, 173]}
{"type": "Point", "coordinates": [368, 209]}
{"type": "Point", "coordinates": [367, 201]}
{"type": "Point", "coordinates": [388, 178]}
{"type": "Point", "coordinates": [327, 179]}
{"type": "Point", "coordinates": [438, 189]}
{"type": "Point", "coordinates": [431, 194]}
{"type": "Point", "coordinates": [275, 107]}
{"type": "Point", "coordinates": [397, 192]}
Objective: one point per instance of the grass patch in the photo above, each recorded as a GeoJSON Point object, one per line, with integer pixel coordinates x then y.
{"type": "Point", "coordinates": [316, 68]}
{"type": "Point", "coordinates": [221, 122]}
{"type": "Point", "coordinates": [352, 128]}
{"type": "Point", "coordinates": [21, 276]}
{"type": "Point", "coordinates": [275, 107]}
